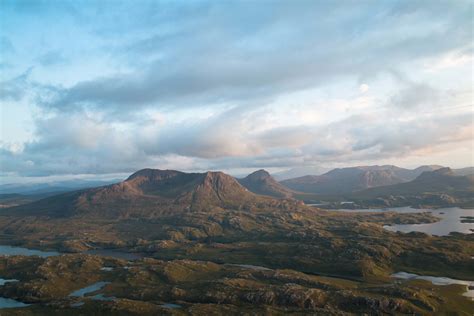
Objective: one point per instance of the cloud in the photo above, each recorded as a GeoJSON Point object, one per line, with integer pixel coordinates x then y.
{"type": "Point", "coordinates": [80, 143]}
{"type": "Point", "coordinates": [363, 88]}
{"type": "Point", "coordinates": [415, 95]}
{"type": "Point", "coordinates": [15, 88]}
{"type": "Point", "coordinates": [222, 85]}
{"type": "Point", "coordinates": [214, 59]}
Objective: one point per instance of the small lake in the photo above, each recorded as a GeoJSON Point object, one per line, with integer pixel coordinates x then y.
{"type": "Point", "coordinates": [450, 220]}
{"type": "Point", "coordinates": [89, 289]}
{"type": "Point", "coordinates": [16, 251]}
{"type": "Point", "coordinates": [20, 251]}
{"type": "Point", "coordinates": [437, 281]}
{"type": "Point", "coordinates": [171, 306]}
{"type": "Point", "coordinates": [10, 303]}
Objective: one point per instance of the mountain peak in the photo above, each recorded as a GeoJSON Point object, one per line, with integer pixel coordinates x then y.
{"type": "Point", "coordinates": [442, 172]}
{"type": "Point", "coordinates": [261, 182]}
{"type": "Point", "coordinates": [259, 174]}
{"type": "Point", "coordinates": [153, 174]}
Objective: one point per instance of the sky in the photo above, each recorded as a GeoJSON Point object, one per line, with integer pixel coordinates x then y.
{"type": "Point", "coordinates": [101, 88]}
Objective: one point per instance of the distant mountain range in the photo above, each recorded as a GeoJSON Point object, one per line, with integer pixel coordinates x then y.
{"type": "Point", "coordinates": [346, 180]}
{"type": "Point", "coordinates": [299, 172]}
{"type": "Point", "coordinates": [152, 189]}
{"type": "Point", "coordinates": [442, 187]}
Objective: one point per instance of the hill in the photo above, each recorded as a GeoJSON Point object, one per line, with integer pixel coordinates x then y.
{"type": "Point", "coordinates": [261, 182]}
{"type": "Point", "coordinates": [346, 180]}
{"type": "Point", "coordinates": [147, 193]}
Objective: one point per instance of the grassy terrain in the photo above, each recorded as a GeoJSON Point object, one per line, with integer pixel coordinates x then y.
{"type": "Point", "coordinates": [142, 287]}
{"type": "Point", "coordinates": [313, 261]}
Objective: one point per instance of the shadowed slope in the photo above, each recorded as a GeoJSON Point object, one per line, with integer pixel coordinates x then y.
{"type": "Point", "coordinates": [261, 182]}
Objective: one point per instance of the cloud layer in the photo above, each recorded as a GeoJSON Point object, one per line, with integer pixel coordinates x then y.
{"type": "Point", "coordinates": [229, 85]}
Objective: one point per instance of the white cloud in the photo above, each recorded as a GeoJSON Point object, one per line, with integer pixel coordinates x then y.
{"type": "Point", "coordinates": [363, 88]}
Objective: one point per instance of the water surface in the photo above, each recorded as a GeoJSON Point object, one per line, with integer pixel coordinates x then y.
{"type": "Point", "coordinates": [450, 220]}
{"type": "Point", "coordinates": [89, 289]}
{"type": "Point", "coordinates": [10, 303]}
{"type": "Point", "coordinates": [15, 251]}
{"type": "Point", "coordinates": [437, 281]}
{"type": "Point", "coordinates": [171, 306]}
{"type": "Point", "coordinates": [3, 281]}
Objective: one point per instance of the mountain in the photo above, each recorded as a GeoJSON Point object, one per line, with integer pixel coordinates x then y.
{"type": "Point", "coordinates": [148, 193]}
{"type": "Point", "coordinates": [437, 188]}
{"type": "Point", "coordinates": [346, 180]}
{"type": "Point", "coordinates": [442, 180]}
{"type": "Point", "coordinates": [464, 171]}
{"type": "Point", "coordinates": [299, 172]}
{"type": "Point", "coordinates": [261, 182]}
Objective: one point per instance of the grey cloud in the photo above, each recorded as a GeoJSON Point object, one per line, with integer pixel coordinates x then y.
{"type": "Point", "coordinates": [212, 61]}
{"type": "Point", "coordinates": [415, 95]}
{"type": "Point", "coordinates": [80, 144]}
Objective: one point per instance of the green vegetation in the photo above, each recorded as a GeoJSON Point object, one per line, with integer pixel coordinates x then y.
{"type": "Point", "coordinates": [193, 240]}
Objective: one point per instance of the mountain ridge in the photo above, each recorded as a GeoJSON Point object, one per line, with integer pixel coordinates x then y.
{"type": "Point", "coordinates": [352, 179]}
{"type": "Point", "coordinates": [149, 192]}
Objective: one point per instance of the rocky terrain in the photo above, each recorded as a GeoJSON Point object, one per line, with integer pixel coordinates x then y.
{"type": "Point", "coordinates": [181, 287]}
{"type": "Point", "coordinates": [211, 246]}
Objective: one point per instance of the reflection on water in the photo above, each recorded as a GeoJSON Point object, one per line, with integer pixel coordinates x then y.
{"type": "Point", "coordinates": [15, 251]}
{"type": "Point", "coordinates": [9, 303]}
{"type": "Point", "coordinates": [437, 281]}
{"type": "Point", "coordinates": [3, 281]}
{"type": "Point", "coordinates": [450, 220]}
{"type": "Point", "coordinates": [101, 297]}
{"type": "Point", "coordinates": [249, 266]}
{"type": "Point", "coordinates": [89, 289]}
{"type": "Point", "coordinates": [171, 306]}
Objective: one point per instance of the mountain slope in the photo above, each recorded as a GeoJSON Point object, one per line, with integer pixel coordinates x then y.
{"type": "Point", "coordinates": [346, 180]}
{"type": "Point", "coordinates": [261, 182]}
{"type": "Point", "coordinates": [441, 187]}
{"type": "Point", "coordinates": [148, 193]}
{"type": "Point", "coordinates": [441, 180]}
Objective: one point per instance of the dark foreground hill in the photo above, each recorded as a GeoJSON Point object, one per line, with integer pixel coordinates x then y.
{"type": "Point", "coordinates": [261, 182]}
{"type": "Point", "coordinates": [346, 180]}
